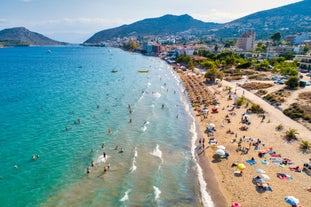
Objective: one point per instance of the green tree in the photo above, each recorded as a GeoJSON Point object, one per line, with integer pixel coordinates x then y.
{"type": "Point", "coordinates": [208, 64]}
{"type": "Point", "coordinates": [287, 68]}
{"type": "Point", "coordinates": [263, 65]}
{"type": "Point", "coordinates": [288, 55]}
{"type": "Point", "coordinates": [292, 82]}
{"type": "Point", "coordinates": [213, 73]}
{"type": "Point", "coordinates": [305, 49]}
{"type": "Point", "coordinates": [229, 43]}
{"type": "Point", "coordinates": [276, 38]}
{"type": "Point", "coordinates": [261, 47]}
{"type": "Point", "coordinates": [131, 45]}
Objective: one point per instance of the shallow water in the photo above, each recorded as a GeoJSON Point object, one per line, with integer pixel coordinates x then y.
{"type": "Point", "coordinates": [44, 96]}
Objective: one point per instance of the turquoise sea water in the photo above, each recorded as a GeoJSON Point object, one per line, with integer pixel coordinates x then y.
{"type": "Point", "coordinates": [46, 91]}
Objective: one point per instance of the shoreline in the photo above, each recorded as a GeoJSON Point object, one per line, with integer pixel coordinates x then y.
{"type": "Point", "coordinates": [212, 186]}
{"type": "Point", "coordinates": [222, 184]}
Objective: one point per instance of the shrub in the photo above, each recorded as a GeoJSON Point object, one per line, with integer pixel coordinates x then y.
{"type": "Point", "coordinates": [255, 108]}
{"type": "Point", "coordinates": [279, 127]}
{"type": "Point", "coordinates": [290, 135]}
{"type": "Point", "coordinates": [240, 101]}
{"type": "Point", "coordinates": [305, 146]}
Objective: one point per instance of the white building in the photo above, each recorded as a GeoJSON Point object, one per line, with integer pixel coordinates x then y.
{"type": "Point", "coordinates": [247, 40]}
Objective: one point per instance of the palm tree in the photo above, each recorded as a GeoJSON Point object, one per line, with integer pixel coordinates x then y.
{"type": "Point", "coordinates": [305, 146]}
{"type": "Point", "coordinates": [291, 134]}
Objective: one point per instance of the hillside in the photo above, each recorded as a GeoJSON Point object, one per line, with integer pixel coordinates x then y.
{"type": "Point", "coordinates": [20, 36]}
{"type": "Point", "coordinates": [165, 25]}
{"type": "Point", "coordinates": [289, 19]}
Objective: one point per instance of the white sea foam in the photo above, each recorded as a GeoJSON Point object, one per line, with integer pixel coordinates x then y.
{"type": "Point", "coordinates": [157, 193]}
{"type": "Point", "coordinates": [157, 95]}
{"type": "Point", "coordinates": [101, 158]}
{"type": "Point", "coordinates": [148, 84]}
{"type": "Point", "coordinates": [143, 128]}
{"type": "Point", "coordinates": [135, 153]}
{"type": "Point", "coordinates": [134, 167]}
{"type": "Point", "coordinates": [206, 198]}
{"type": "Point", "coordinates": [157, 152]}
{"type": "Point", "coordinates": [126, 196]}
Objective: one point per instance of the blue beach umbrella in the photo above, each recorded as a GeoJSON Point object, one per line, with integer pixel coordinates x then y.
{"type": "Point", "coordinates": [291, 200]}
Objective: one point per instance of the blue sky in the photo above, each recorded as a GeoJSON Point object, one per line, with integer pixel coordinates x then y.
{"type": "Point", "coordinates": [76, 20]}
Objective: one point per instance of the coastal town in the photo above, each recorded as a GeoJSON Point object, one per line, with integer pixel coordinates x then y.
{"type": "Point", "coordinates": [164, 111]}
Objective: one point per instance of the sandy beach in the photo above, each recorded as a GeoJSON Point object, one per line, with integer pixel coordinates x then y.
{"type": "Point", "coordinates": [261, 149]}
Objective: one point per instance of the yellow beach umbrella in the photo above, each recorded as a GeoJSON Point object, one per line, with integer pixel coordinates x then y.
{"type": "Point", "coordinates": [241, 166]}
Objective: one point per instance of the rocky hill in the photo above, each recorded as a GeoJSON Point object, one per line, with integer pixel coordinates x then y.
{"type": "Point", "coordinates": [289, 19]}
{"type": "Point", "coordinates": [20, 36]}
{"type": "Point", "coordinates": [165, 25]}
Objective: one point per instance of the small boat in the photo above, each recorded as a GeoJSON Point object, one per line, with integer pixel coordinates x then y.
{"type": "Point", "coordinates": [143, 71]}
{"type": "Point", "coordinates": [114, 71]}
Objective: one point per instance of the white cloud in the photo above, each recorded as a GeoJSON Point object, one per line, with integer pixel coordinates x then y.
{"type": "Point", "coordinates": [218, 16]}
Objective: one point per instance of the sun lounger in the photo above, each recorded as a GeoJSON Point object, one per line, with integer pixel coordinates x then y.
{"type": "Point", "coordinates": [283, 176]}
{"type": "Point", "coordinates": [295, 169]}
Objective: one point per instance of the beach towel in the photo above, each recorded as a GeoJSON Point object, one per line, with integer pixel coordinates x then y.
{"type": "Point", "coordinates": [275, 155]}
{"type": "Point", "coordinates": [264, 162]}
{"type": "Point", "coordinates": [251, 162]}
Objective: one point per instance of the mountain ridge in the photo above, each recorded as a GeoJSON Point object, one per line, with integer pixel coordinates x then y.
{"type": "Point", "coordinates": [290, 19]}
{"type": "Point", "coordinates": [20, 36]}
{"type": "Point", "coordinates": [153, 26]}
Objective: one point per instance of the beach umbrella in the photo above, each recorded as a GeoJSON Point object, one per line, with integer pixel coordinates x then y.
{"type": "Point", "coordinates": [220, 152]}
{"type": "Point", "coordinates": [291, 200]}
{"type": "Point", "coordinates": [265, 176]}
{"type": "Point", "coordinates": [241, 166]}
{"type": "Point", "coordinates": [260, 171]}
{"type": "Point", "coordinates": [235, 204]}
{"type": "Point", "coordinates": [211, 125]}
{"type": "Point", "coordinates": [221, 147]}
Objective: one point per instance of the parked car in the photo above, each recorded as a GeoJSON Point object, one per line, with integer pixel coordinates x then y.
{"type": "Point", "coordinates": [281, 81]}
{"type": "Point", "coordinates": [308, 74]}
{"type": "Point", "coordinates": [275, 77]}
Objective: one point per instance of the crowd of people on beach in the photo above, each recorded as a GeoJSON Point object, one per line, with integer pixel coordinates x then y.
{"type": "Point", "coordinates": [196, 88]}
